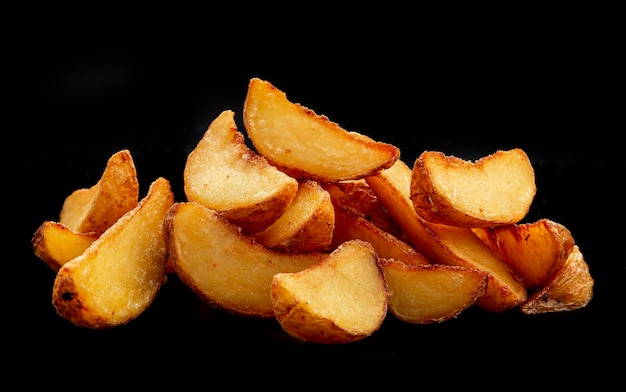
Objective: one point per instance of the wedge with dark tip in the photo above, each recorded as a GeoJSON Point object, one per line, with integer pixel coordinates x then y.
{"type": "Point", "coordinates": [118, 276]}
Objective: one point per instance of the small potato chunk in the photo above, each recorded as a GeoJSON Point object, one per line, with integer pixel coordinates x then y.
{"type": "Point", "coordinates": [426, 294]}
{"type": "Point", "coordinates": [95, 209]}
{"type": "Point", "coordinates": [340, 300]}
{"type": "Point", "coordinates": [56, 244]}
{"type": "Point", "coordinates": [570, 288]}
{"type": "Point", "coordinates": [495, 190]}
{"type": "Point", "coordinates": [306, 145]}
{"type": "Point", "coordinates": [349, 225]}
{"type": "Point", "coordinates": [534, 250]}
{"type": "Point", "coordinates": [118, 276]}
{"type": "Point", "coordinates": [225, 268]}
{"type": "Point", "coordinates": [444, 244]}
{"type": "Point", "coordinates": [223, 174]}
{"type": "Point", "coordinates": [307, 224]}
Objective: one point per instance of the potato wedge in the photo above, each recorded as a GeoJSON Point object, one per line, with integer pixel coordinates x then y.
{"type": "Point", "coordinates": [225, 268]}
{"type": "Point", "coordinates": [497, 189]}
{"type": "Point", "coordinates": [118, 276]}
{"type": "Point", "coordinates": [56, 244]}
{"type": "Point", "coordinates": [97, 208]}
{"type": "Point", "coordinates": [306, 145]}
{"type": "Point", "coordinates": [534, 250]}
{"type": "Point", "coordinates": [307, 224]}
{"type": "Point", "coordinates": [349, 225]}
{"type": "Point", "coordinates": [447, 244]}
{"type": "Point", "coordinates": [426, 294]}
{"type": "Point", "coordinates": [223, 174]}
{"type": "Point", "coordinates": [358, 197]}
{"type": "Point", "coordinates": [570, 288]}
{"type": "Point", "coordinates": [339, 300]}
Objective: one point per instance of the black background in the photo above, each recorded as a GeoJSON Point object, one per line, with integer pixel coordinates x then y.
{"type": "Point", "coordinates": [83, 86]}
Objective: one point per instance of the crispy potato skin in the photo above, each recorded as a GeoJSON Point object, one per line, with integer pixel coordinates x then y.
{"type": "Point", "coordinates": [97, 208]}
{"type": "Point", "coordinates": [495, 190]}
{"type": "Point", "coordinates": [349, 225]}
{"type": "Point", "coordinates": [570, 288]}
{"type": "Point", "coordinates": [534, 250]}
{"type": "Point", "coordinates": [306, 226]}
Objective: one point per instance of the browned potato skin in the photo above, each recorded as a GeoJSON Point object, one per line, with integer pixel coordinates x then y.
{"type": "Point", "coordinates": [357, 196]}
{"type": "Point", "coordinates": [307, 224]}
{"type": "Point", "coordinates": [495, 190]}
{"type": "Point", "coordinates": [223, 174]}
{"type": "Point", "coordinates": [534, 250]}
{"type": "Point", "coordinates": [119, 274]}
{"type": "Point", "coordinates": [432, 293]}
{"type": "Point", "coordinates": [55, 244]}
{"type": "Point", "coordinates": [97, 208]}
{"type": "Point", "coordinates": [224, 267]}
{"type": "Point", "coordinates": [447, 244]}
{"type": "Point", "coordinates": [570, 288]}
{"type": "Point", "coordinates": [312, 305]}
{"type": "Point", "coordinates": [305, 145]}
{"type": "Point", "coordinates": [349, 225]}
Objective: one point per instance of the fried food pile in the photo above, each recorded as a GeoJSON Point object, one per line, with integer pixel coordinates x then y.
{"type": "Point", "coordinates": [325, 230]}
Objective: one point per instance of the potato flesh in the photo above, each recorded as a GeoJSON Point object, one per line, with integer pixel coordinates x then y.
{"type": "Point", "coordinates": [569, 289]}
{"type": "Point", "coordinates": [497, 189]}
{"type": "Point", "coordinates": [447, 244]}
{"type": "Point", "coordinates": [342, 299]}
{"type": "Point", "coordinates": [307, 224]}
{"type": "Point", "coordinates": [119, 275]}
{"type": "Point", "coordinates": [56, 244]}
{"type": "Point", "coordinates": [95, 209]}
{"type": "Point", "coordinates": [306, 145]}
{"type": "Point", "coordinates": [431, 293]}
{"type": "Point", "coordinates": [221, 265]}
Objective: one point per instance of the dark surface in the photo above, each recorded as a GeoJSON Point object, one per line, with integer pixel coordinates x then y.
{"type": "Point", "coordinates": [82, 95]}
